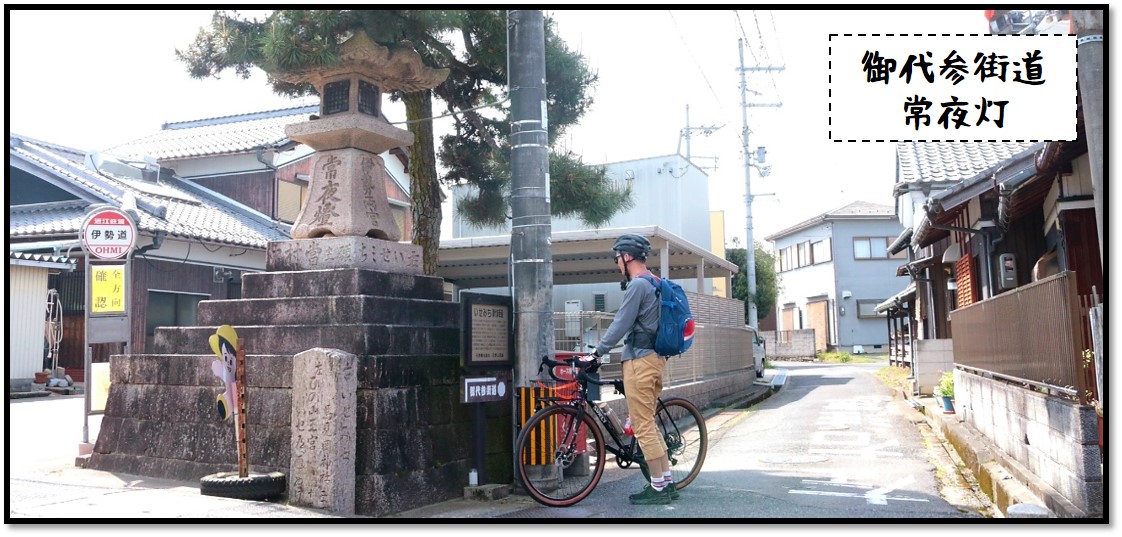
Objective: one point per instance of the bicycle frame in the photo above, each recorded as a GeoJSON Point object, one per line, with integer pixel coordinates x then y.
{"type": "Point", "coordinates": [625, 452]}
{"type": "Point", "coordinates": [566, 468]}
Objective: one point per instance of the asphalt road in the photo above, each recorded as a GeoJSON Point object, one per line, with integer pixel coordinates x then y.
{"type": "Point", "coordinates": [833, 443]}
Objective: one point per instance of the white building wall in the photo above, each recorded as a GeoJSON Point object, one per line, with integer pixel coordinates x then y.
{"type": "Point", "coordinates": [27, 303]}
{"type": "Point", "coordinates": [796, 285]}
{"type": "Point", "coordinates": [667, 191]}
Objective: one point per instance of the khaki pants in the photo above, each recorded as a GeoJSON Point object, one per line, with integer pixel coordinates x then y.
{"type": "Point", "coordinates": [642, 384]}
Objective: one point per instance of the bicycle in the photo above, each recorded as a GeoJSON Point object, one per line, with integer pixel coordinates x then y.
{"type": "Point", "coordinates": [560, 452]}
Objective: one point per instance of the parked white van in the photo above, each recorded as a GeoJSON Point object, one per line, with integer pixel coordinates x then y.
{"type": "Point", "coordinates": [757, 351]}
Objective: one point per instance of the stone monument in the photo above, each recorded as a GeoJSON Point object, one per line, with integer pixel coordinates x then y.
{"type": "Point", "coordinates": [346, 218]}
{"type": "Point", "coordinates": [377, 342]}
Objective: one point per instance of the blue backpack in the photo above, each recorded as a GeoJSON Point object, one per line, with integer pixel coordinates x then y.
{"type": "Point", "coordinates": [675, 322]}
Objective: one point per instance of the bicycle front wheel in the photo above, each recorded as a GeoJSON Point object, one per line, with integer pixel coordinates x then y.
{"type": "Point", "coordinates": [687, 440]}
{"type": "Point", "coordinates": [559, 456]}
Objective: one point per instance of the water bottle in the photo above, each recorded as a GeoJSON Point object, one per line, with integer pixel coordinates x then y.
{"type": "Point", "coordinates": [611, 415]}
{"type": "Point", "coordinates": [627, 427]}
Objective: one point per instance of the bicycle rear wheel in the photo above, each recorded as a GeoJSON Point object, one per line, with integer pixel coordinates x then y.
{"type": "Point", "coordinates": [559, 458]}
{"type": "Point", "coordinates": [687, 440]}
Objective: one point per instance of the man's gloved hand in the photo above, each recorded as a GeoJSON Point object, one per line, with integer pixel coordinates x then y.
{"type": "Point", "coordinates": [596, 353]}
{"type": "Point", "coordinates": [592, 360]}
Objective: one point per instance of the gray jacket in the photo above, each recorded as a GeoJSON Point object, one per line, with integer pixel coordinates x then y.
{"type": "Point", "coordinates": [636, 322]}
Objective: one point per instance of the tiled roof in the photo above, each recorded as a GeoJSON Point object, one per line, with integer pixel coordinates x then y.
{"type": "Point", "coordinates": [861, 208]}
{"type": "Point", "coordinates": [217, 136]}
{"type": "Point", "coordinates": [855, 210]}
{"type": "Point", "coordinates": [171, 205]}
{"type": "Point", "coordinates": [948, 163]}
{"type": "Point", "coordinates": [45, 219]}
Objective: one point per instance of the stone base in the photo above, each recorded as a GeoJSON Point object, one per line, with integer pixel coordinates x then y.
{"type": "Point", "coordinates": [489, 492]}
{"type": "Point", "coordinates": [343, 252]}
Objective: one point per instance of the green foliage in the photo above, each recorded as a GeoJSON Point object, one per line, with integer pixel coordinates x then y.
{"type": "Point", "coordinates": [472, 45]}
{"type": "Point", "coordinates": [767, 283]}
{"type": "Point", "coordinates": [946, 385]}
{"type": "Point", "coordinates": [839, 357]}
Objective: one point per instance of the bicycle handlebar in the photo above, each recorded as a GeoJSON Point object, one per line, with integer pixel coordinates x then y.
{"type": "Point", "coordinates": [582, 366]}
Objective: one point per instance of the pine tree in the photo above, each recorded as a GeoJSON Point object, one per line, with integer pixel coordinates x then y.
{"type": "Point", "coordinates": [472, 45]}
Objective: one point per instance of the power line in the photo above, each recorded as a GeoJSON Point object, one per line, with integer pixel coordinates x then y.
{"type": "Point", "coordinates": [763, 48]}
{"type": "Point", "coordinates": [695, 62]}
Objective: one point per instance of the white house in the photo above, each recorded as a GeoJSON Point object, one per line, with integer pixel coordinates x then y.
{"type": "Point", "coordinates": [834, 269]}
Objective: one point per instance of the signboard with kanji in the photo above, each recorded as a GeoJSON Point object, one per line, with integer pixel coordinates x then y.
{"type": "Point", "coordinates": [108, 234]}
{"type": "Point", "coordinates": [486, 389]}
{"type": "Point", "coordinates": [486, 328]}
{"type": "Point", "coordinates": [107, 289]}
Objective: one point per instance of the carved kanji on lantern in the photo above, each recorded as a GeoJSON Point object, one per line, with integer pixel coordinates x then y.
{"type": "Point", "coordinates": [347, 192]}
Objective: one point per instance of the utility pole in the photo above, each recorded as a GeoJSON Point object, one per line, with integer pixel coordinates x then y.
{"type": "Point", "coordinates": [1088, 27]}
{"type": "Point", "coordinates": [531, 224]}
{"type": "Point", "coordinates": [750, 246]}
{"type": "Point", "coordinates": [705, 129]}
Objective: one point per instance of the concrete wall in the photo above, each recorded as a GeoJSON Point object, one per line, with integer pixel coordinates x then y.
{"type": "Point", "coordinates": [933, 357]}
{"type": "Point", "coordinates": [1053, 438]}
{"type": "Point", "coordinates": [795, 345]}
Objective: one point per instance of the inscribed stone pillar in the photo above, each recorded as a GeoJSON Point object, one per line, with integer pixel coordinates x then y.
{"type": "Point", "coordinates": [324, 394]}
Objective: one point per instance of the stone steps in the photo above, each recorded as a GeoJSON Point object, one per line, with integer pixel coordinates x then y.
{"type": "Point", "coordinates": [358, 338]}
{"type": "Point", "coordinates": [334, 282]}
{"type": "Point", "coordinates": [329, 310]}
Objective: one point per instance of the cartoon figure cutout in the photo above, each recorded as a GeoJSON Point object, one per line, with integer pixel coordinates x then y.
{"type": "Point", "coordinates": [224, 343]}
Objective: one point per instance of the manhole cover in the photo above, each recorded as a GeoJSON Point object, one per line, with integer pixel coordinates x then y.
{"type": "Point", "coordinates": [793, 459]}
{"type": "Point", "coordinates": [550, 512]}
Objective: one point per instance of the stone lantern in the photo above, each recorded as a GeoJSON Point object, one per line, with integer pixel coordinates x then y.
{"type": "Point", "coordinates": [347, 192]}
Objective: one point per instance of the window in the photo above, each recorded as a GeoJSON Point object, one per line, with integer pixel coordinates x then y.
{"type": "Point", "coordinates": [336, 97]}
{"type": "Point", "coordinates": [170, 309]}
{"type": "Point", "coordinates": [290, 198]}
{"type": "Point", "coordinates": [369, 98]}
{"type": "Point", "coordinates": [866, 309]}
{"type": "Point", "coordinates": [870, 247]}
{"type": "Point", "coordinates": [598, 302]}
{"type": "Point", "coordinates": [820, 251]}
{"type": "Point", "coordinates": [804, 254]}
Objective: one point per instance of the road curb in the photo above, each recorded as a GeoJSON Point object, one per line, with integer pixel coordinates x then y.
{"type": "Point", "coordinates": [1002, 479]}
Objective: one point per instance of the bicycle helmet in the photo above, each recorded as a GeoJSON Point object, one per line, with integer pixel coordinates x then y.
{"type": "Point", "coordinates": [635, 245]}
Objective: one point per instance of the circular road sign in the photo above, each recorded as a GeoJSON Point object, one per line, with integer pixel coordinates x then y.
{"type": "Point", "coordinates": [108, 234]}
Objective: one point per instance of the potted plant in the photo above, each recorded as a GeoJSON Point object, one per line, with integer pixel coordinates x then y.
{"type": "Point", "coordinates": [945, 391]}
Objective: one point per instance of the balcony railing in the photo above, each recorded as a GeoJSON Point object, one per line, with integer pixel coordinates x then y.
{"type": "Point", "coordinates": [1031, 335]}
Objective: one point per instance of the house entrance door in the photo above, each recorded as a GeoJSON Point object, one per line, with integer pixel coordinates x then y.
{"type": "Point", "coordinates": [819, 316]}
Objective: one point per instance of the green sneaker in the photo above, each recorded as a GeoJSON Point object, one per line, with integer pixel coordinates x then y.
{"type": "Point", "coordinates": [650, 496]}
{"type": "Point", "coordinates": [672, 490]}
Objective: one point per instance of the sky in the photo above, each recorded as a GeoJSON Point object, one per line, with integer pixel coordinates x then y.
{"type": "Point", "coordinates": [101, 78]}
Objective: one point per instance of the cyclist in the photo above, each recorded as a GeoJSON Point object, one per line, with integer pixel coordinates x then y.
{"type": "Point", "coordinates": [636, 323]}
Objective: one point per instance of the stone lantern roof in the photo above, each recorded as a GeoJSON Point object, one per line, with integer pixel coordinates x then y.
{"type": "Point", "coordinates": [398, 69]}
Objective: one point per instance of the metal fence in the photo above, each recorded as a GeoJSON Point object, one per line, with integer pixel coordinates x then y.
{"type": "Point", "coordinates": [1032, 335]}
{"type": "Point", "coordinates": [717, 348]}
